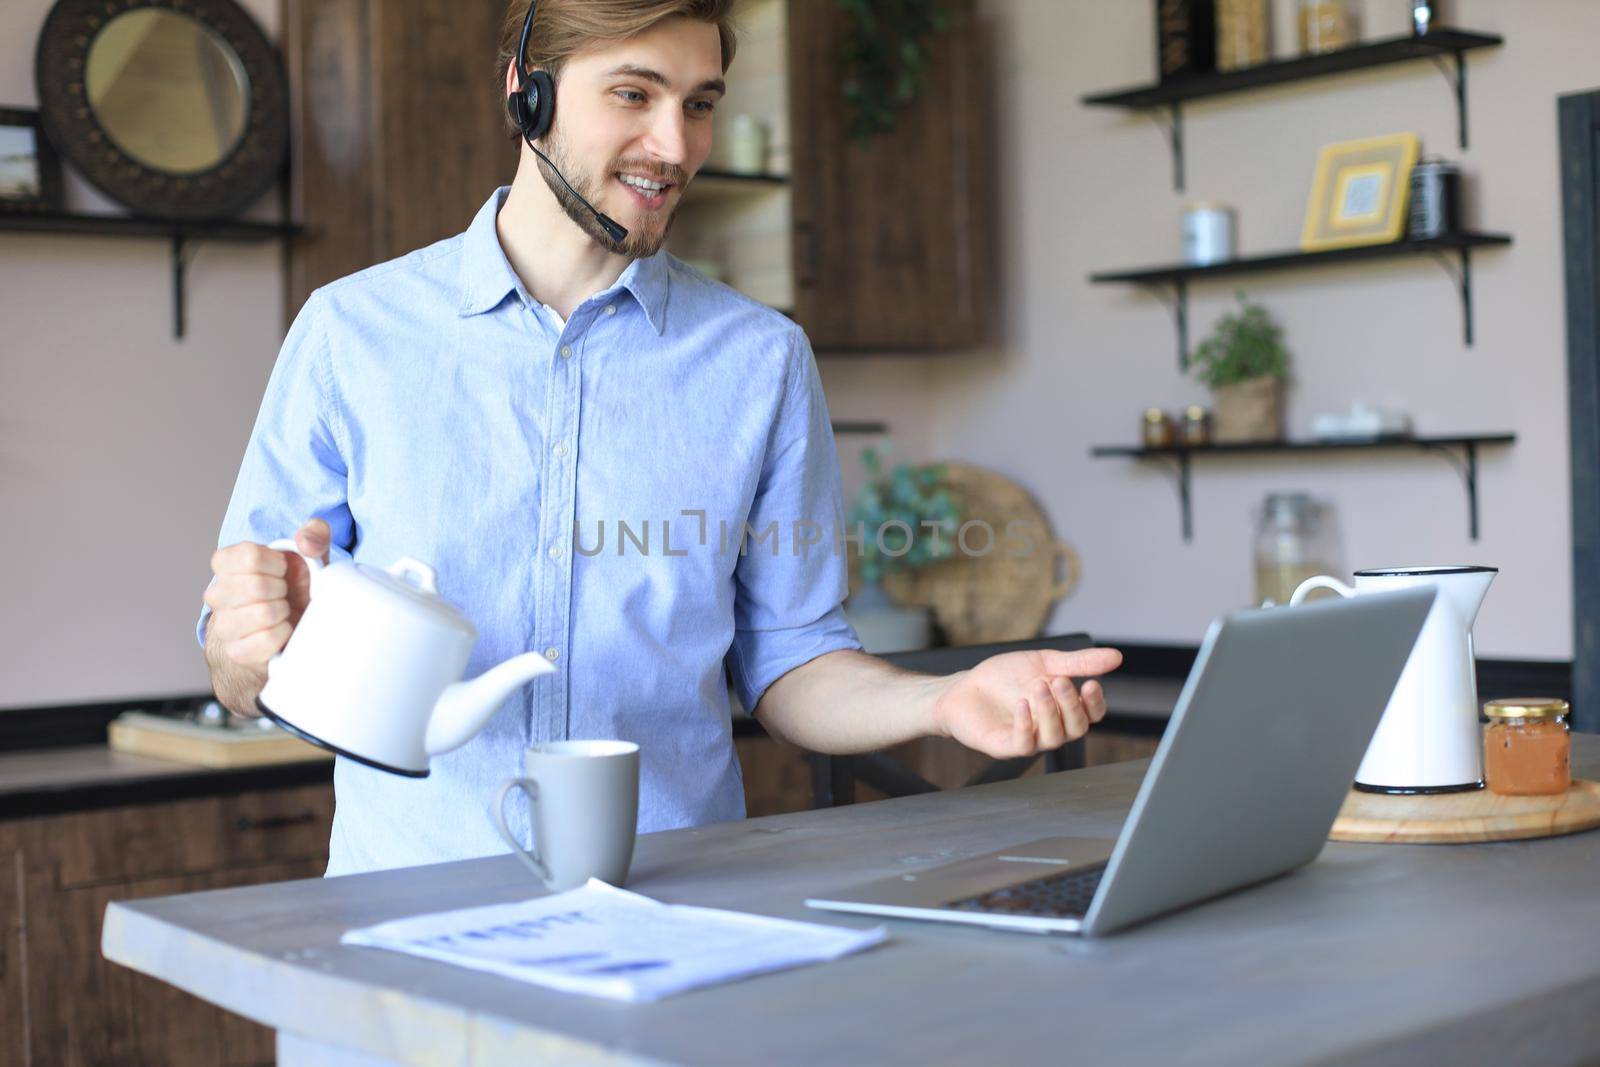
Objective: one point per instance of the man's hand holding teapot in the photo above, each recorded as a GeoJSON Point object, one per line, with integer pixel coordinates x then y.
{"type": "Point", "coordinates": [256, 600]}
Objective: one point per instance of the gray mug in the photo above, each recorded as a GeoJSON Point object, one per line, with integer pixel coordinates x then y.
{"type": "Point", "coordinates": [583, 805]}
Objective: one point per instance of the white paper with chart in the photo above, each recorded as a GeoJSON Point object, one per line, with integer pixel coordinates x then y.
{"type": "Point", "coordinates": [608, 942]}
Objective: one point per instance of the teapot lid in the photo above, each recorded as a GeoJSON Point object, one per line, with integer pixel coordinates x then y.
{"type": "Point", "coordinates": [408, 585]}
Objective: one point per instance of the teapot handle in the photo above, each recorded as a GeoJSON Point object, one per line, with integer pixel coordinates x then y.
{"type": "Point", "coordinates": [286, 544]}
{"type": "Point", "coordinates": [1321, 581]}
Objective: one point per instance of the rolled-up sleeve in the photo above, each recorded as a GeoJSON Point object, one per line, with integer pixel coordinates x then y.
{"type": "Point", "coordinates": [294, 464]}
{"type": "Point", "coordinates": [788, 604]}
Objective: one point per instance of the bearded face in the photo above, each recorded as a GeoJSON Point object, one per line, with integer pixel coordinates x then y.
{"type": "Point", "coordinates": [649, 191]}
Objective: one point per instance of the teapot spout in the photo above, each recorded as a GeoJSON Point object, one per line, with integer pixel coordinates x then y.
{"type": "Point", "coordinates": [465, 707]}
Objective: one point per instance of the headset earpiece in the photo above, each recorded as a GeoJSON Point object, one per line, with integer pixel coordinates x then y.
{"type": "Point", "coordinates": [538, 104]}
{"type": "Point", "coordinates": [533, 108]}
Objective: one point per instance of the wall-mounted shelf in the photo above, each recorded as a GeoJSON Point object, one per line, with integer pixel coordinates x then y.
{"type": "Point", "coordinates": [1441, 45]}
{"type": "Point", "coordinates": [1466, 463]}
{"type": "Point", "coordinates": [711, 180]}
{"type": "Point", "coordinates": [179, 231]}
{"type": "Point", "coordinates": [1178, 275]}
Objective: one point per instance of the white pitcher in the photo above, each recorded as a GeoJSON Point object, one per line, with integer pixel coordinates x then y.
{"type": "Point", "coordinates": [1428, 740]}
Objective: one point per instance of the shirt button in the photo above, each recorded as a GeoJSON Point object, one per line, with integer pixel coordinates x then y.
{"type": "Point", "coordinates": [611, 309]}
{"type": "Point", "coordinates": [555, 551]}
{"type": "Point", "coordinates": [552, 653]}
{"type": "Point", "coordinates": [561, 450]}
{"type": "Point", "coordinates": [566, 351]}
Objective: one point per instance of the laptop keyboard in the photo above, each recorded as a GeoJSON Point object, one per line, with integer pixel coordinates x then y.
{"type": "Point", "coordinates": [1063, 895]}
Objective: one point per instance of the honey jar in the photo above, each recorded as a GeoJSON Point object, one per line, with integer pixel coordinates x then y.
{"type": "Point", "coordinates": [1196, 426]}
{"type": "Point", "coordinates": [1527, 750]}
{"type": "Point", "coordinates": [1157, 430]}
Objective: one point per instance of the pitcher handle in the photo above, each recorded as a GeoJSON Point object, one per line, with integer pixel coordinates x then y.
{"type": "Point", "coordinates": [530, 857]}
{"type": "Point", "coordinates": [1321, 581]}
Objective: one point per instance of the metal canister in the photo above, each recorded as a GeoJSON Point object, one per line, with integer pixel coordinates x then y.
{"type": "Point", "coordinates": [1435, 199]}
{"type": "Point", "coordinates": [1207, 233]}
{"type": "Point", "coordinates": [1423, 15]}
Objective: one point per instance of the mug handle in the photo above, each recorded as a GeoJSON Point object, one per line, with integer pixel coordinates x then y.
{"type": "Point", "coordinates": [1321, 581]}
{"type": "Point", "coordinates": [529, 858]}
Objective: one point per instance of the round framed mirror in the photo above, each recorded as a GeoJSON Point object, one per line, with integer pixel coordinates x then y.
{"type": "Point", "coordinates": [176, 108]}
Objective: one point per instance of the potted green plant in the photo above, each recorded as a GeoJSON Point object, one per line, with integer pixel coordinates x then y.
{"type": "Point", "coordinates": [885, 56]}
{"type": "Point", "coordinates": [1245, 365]}
{"type": "Point", "coordinates": [907, 519]}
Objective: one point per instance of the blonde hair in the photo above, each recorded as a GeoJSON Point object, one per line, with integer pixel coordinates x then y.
{"type": "Point", "coordinates": [563, 27]}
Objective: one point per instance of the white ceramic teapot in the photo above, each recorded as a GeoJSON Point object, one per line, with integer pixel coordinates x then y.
{"type": "Point", "coordinates": [1428, 740]}
{"type": "Point", "coordinates": [373, 669]}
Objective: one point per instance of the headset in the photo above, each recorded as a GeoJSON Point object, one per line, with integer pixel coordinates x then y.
{"type": "Point", "coordinates": [533, 109]}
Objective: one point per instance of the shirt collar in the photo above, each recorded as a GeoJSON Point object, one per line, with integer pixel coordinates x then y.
{"type": "Point", "coordinates": [486, 274]}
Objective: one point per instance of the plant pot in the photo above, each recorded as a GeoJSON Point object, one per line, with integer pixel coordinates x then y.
{"type": "Point", "coordinates": [883, 626]}
{"type": "Point", "coordinates": [1251, 410]}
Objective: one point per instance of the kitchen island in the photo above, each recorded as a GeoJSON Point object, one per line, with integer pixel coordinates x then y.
{"type": "Point", "coordinates": [1374, 954]}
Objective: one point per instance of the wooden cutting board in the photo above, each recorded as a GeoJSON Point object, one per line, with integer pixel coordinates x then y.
{"type": "Point", "coordinates": [996, 590]}
{"type": "Point", "coordinates": [1453, 818]}
{"type": "Point", "coordinates": [207, 746]}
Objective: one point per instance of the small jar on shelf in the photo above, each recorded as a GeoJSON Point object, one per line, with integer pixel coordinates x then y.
{"type": "Point", "coordinates": [1157, 430]}
{"type": "Point", "coordinates": [1242, 33]}
{"type": "Point", "coordinates": [1195, 429]}
{"type": "Point", "coordinates": [1326, 26]}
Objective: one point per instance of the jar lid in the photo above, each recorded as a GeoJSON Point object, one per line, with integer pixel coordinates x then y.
{"type": "Point", "coordinates": [1525, 708]}
{"type": "Point", "coordinates": [1206, 205]}
{"type": "Point", "coordinates": [1154, 415]}
{"type": "Point", "coordinates": [1194, 412]}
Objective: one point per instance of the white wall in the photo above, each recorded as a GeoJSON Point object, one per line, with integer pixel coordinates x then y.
{"type": "Point", "coordinates": [118, 443]}
{"type": "Point", "coordinates": [1086, 189]}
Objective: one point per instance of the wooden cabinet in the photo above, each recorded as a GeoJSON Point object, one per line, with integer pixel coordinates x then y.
{"type": "Point", "coordinates": [891, 239]}
{"type": "Point", "coordinates": [880, 247]}
{"type": "Point", "coordinates": [397, 138]}
{"type": "Point", "coordinates": [61, 1002]}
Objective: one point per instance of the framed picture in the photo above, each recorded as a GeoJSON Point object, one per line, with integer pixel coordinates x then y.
{"type": "Point", "coordinates": [1359, 195]}
{"type": "Point", "coordinates": [30, 173]}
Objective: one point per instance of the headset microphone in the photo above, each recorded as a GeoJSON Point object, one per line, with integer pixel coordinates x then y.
{"type": "Point", "coordinates": [614, 230]}
{"type": "Point", "coordinates": [533, 109]}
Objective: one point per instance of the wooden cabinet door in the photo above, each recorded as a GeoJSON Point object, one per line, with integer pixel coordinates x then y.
{"type": "Point", "coordinates": [61, 1002]}
{"type": "Point", "coordinates": [891, 238]}
{"type": "Point", "coordinates": [398, 131]}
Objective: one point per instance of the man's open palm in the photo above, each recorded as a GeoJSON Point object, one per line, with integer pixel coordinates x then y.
{"type": "Point", "coordinates": [1022, 703]}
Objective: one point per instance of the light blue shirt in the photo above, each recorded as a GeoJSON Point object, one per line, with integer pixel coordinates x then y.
{"type": "Point", "coordinates": [430, 407]}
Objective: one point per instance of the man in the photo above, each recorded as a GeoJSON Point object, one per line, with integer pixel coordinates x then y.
{"type": "Point", "coordinates": [501, 402]}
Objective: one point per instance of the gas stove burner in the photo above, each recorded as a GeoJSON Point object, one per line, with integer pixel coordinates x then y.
{"type": "Point", "coordinates": [212, 714]}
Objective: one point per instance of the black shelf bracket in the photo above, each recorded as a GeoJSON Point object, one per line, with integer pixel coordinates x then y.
{"type": "Point", "coordinates": [1466, 465]}
{"type": "Point", "coordinates": [1465, 461]}
{"type": "Point", "coordinates": [183, 234]}
{"type": "Point", "coordinates": [1457, 77]}
{"type": "Point", "coordinates": [1180, 316]}
{"type": "Point", "coordinates": [1442, 249]}
{"type": "Point", "coordinates": [1443, 45]}
{"type": "Point", "coordinates": [1173, 128]}
{"type": "Point", "coordinates": [180, 276]}
{"type": "Point", "coordinates": [1185, 497]}
{"type": "Point", "coordinates": [1462, 277]}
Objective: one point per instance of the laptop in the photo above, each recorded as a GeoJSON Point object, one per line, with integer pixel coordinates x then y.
{"type": "Point", "coordinates": [1248, 779]}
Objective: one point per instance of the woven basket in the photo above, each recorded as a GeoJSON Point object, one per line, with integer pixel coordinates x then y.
{"type": "Point", "coordinates": [1003, 593]}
